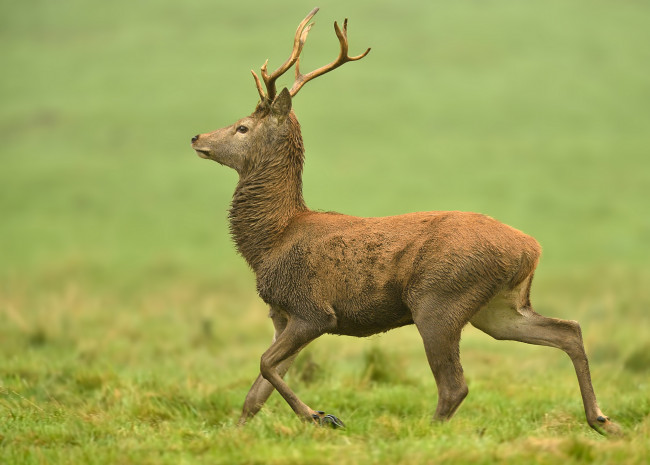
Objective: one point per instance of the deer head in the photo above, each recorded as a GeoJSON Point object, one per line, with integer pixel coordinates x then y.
{"type": "Point", "coordinates": [251, 140]}
{"type": "Point", "coordinates": [239, 145]}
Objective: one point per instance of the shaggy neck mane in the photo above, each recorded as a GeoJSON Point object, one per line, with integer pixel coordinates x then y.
{"type": "Point", "coordinates": [268, 195]}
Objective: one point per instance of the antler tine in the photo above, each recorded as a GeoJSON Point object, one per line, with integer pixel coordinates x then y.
{"type": "Point", "coordinates": [302, 79]}
{"type": "Point", "coordinates": [258, 84]}
{"type": "Point", "coordinates": [298, 43]}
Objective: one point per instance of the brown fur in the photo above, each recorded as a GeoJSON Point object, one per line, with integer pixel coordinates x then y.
{"type": "Point", "coordinates": [331, 273]}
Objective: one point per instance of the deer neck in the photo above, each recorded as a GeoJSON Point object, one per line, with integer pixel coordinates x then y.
{"type": "Point", "coordinates": [267, 197]}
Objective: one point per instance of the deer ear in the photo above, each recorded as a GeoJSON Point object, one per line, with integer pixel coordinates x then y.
{"type": "Point", "coordinates": [281, 106]}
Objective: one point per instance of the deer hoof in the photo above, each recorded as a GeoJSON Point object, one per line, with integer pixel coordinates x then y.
{"type": "Point", "coordinates": [607, 427]}
{"type": "Point", "coordinates": [323, 419]}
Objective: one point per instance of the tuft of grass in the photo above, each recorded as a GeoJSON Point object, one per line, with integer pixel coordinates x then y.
{"type": "Point", "coordinates": [639, 359]}
{"type": "Point", "coordinates": [379, 367]}
{"type": "Point", "coordinates": [580, 450]}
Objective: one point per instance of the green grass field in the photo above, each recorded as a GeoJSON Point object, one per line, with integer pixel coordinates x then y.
{"type": "Point", "coordinates": [130, 330]}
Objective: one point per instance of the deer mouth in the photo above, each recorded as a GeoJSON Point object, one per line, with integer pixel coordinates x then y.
{"type": "Point", "coordinates": [203, 153]}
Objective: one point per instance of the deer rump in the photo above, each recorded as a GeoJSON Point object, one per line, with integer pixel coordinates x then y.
{"type": "Point", "coordinates": [367, 273]}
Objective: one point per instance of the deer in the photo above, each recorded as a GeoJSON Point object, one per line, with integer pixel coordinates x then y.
{"type": "Point", "coordinates": [330, 273]}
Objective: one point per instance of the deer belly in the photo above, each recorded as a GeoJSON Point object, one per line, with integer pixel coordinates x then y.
{"type": "Point", "coordinates": [371, 311]}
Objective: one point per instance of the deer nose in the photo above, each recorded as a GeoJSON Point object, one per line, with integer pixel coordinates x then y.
{"type": "Point", "coordinates": [195, 138]}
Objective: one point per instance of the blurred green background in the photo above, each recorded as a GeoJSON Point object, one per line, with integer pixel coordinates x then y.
{"type": "Point", "coordinates": [114, 247]}
{"type": "Point", "coordinates": [536, 113]}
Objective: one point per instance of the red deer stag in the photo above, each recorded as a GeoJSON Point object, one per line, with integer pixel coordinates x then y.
{"type": "Point", "coordinates": [323, 272]}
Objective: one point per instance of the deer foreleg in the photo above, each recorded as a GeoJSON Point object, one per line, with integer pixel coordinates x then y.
{"type": "Point", "coordinates": [260, 391]}
{"type": "Point", "coordinates": [296, 335]}
{"type": "Point", "coordinates": [261, 388]}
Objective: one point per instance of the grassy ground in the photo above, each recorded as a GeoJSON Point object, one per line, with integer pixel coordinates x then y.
{"type": "Point", "coordinates": [130, 330]}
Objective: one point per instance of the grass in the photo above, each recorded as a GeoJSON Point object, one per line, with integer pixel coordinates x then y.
{"type": "Point", "coordinates": [129, 328]}
{"type": "Point", "coordinates": [144, 381]}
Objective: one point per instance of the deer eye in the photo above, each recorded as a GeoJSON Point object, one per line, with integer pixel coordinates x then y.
{"type": "Point", "coordinates": [242, 129]}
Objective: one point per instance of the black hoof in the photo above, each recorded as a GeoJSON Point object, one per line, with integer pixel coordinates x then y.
{"type": "Point", "coordinates": [602, 419]}
{"type": "Point", "coordinates": [322, 419]}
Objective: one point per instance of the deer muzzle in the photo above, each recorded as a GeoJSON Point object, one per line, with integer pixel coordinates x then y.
{"type": "Point", "coordinates": [200, 151]}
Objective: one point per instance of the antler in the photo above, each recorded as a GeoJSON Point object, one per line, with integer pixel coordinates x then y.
{"type": "Point", "coordinates": [298, 42]}
{"type": "Point", "coordinates": [302, 79]}
{"type": "Point", "coordinates": [294, 58]}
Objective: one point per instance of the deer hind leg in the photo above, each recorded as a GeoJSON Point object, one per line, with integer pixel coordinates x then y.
{"type": "Point", "coordinates": [509, 316]}
{"type": "Point", "coordinates": [441, 337]}
{"type": "Point", "coordinates": [261, 388]}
